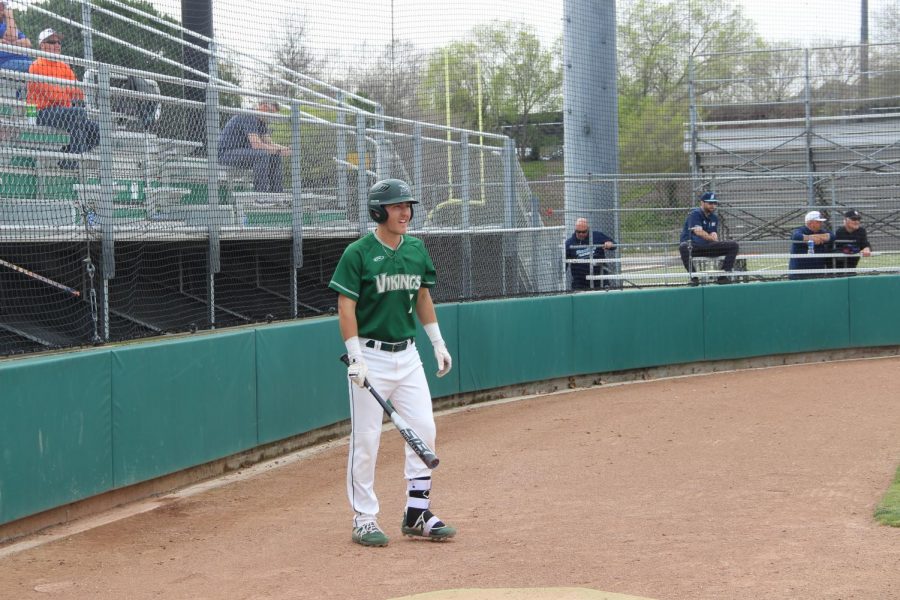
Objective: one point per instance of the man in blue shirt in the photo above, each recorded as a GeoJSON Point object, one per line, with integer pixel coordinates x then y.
{"type": "Point", "coordinates": [813, 231]}
{"type": "Point", "coordinates": [11, 38]}
{"type": "Point", "coordinates": [246, 143]}
{"type": "Point", "coordinates": [700, 237]}
{"type": "Point", "coordinates": [584, 244]}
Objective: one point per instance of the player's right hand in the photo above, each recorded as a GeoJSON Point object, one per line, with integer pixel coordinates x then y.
{"type": "Point", "coordinates": [357, 370]}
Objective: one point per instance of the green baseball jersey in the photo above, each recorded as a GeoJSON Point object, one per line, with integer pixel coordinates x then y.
{"type": "Point", "coordinates": [385, 284]}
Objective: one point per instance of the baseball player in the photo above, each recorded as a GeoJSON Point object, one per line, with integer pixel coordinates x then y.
{"type": "Point", "coordinates": [381, 280]}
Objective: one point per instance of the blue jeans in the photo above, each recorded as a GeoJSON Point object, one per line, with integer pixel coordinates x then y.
{"type": "Point", "coordinates": [84, 134]}
{"type": "Point", "coordinates": [267, 170]}
{"type": "Point", "coordinates": [16, 64]}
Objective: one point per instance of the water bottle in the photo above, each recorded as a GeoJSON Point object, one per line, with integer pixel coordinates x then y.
{"type": "Point", "coordinates": [31, 114]}
{"type": "Point", "coordinates": [810, 247]}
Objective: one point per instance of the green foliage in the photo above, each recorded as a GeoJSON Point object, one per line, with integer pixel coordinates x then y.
{"type": "Point", "coordinates": [659, 41]}
{"type": "Point", "coordinates": [517, 76]}
{"type": "Point", "coordinates": [651, 134]}
{"type": "Point", "coordinates": [536, 170]}
{"type": "Point", "coordinates": [888, 512]}
{"type": "Point", "coordinates": [32, 23]}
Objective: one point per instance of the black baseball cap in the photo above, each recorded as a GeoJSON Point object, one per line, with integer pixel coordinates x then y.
{"type": "Point", "coordinates": [709, 197]}
{"type": "Point", "coordinates": [853, 215]}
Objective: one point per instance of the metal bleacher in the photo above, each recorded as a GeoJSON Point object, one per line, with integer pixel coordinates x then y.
{"type": "Point", "coordinates": [772, 161]}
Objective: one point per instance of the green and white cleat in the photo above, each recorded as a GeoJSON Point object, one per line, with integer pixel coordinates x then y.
{"type": "Point", "coordinates": [428, 526]}
{"type": "Point", "coordinates": [369, 534]}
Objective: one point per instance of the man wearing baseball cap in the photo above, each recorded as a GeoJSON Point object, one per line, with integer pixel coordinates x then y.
{"type": "Point", "coordinates": [852, 240]}
{"type": "Point", "coordinates": [700, 237]}
{"type": "Point", "coordinates": [61, 106]}
{"type": "Point", "coordinates": [815, 231]}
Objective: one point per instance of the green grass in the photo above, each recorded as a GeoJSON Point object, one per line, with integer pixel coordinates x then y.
{"type": "Point", "coordinates": [888, 512]}
{"type": "Point", "coordinates": [541, 169]}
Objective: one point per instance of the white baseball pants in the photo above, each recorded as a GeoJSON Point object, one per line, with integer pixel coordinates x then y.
{"type": "Point", "coordinates": [400, 378]}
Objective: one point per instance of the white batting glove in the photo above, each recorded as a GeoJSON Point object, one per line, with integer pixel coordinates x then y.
{"type": "Point", "coordinates": [444, 362]}
{"type": "Point", "coordinates": [357, 371]}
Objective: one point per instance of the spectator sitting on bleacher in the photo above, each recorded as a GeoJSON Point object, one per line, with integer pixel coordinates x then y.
{"type": "Point", "coordinates": [61, 106]}
{"type": "Point", "coordinates": [584, 244]}
{"type": "Point", "coordinates": [11, 36]}
{"type": "Point", "coordinates": [814, 231]}
{"type": "Point", "coordinates": [246, 143]}
{"type": "Point", "coordinates": [700, 237]}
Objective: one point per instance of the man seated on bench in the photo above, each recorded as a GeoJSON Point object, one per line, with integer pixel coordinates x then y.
{"type": "Point", "coordinates": [246, 143]}
{"type": "Point", "coordinates": [61, 106]}
{"type": "Point", "coordinates": [11, 38]}
{"type": "Point", "coordinates": [700, 237]}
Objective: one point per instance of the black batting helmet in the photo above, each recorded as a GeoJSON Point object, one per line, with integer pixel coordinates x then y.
{"type": "Point", "coordinates": [388, 191]}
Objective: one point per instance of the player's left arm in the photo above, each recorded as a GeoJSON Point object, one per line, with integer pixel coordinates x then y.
{"type": "Point", "coordinates": [428, 317]}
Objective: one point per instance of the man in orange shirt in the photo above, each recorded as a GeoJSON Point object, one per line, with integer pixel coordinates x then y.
{"type": "Point", "coordinates": [61, 106]}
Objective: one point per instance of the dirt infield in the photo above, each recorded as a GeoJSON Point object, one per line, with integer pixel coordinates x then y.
{"type": "Point", "coordinates": [742, 485]}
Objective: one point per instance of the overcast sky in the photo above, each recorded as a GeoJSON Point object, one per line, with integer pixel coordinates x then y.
{"type": "Point", "coordinates": [342, 27]}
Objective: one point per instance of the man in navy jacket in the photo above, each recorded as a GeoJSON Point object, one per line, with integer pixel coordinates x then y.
{"type": "Point", "coordinates": [700, 237]}
{"type": "Point", "coordinates": [585, 244]}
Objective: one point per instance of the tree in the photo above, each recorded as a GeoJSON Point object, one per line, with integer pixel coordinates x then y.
{"type": "Point", "coordinates": [519, 77]}
{"type": "Point", "coordinates": [659, 43]}
{"type": "Point", "coordinates": [658, 39]}
{"type": "Point", "coordinates": [393, 80]}
{"type": "Point", "coordinates": [292, 53]}
{"type": "Point", "coordinates": [33, 22]}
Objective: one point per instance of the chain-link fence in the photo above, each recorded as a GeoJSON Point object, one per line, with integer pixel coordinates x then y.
{"type": "Point", "coordinates": [132, 205]}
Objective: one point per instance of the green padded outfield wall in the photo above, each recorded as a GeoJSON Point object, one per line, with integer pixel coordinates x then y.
{"type": "Point", "coordinates": [294, 393]}
{"type": "Point", "coordinates": [77, 424]}
{"type": "Point", "coordinates": [55, 424]}
{"type": "Point", "coordinates": [181, 403]}
{"type": "Point", "coordinates": [613, 332]}
{"type": "Point", "coordinates": [776, 318]}
{"type": "Point", "coordinates": [503, 342]}
{"type": "Point", "coordinates": [874, 311]}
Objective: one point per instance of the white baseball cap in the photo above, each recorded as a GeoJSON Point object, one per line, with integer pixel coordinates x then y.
{"type": "Point", "coordinates": [47, 33]}
{"type": "Point", "coordinates": [814, 215]}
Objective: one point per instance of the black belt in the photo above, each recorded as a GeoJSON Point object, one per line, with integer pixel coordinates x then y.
{"type": "Point", "coordinates": [388, 346]}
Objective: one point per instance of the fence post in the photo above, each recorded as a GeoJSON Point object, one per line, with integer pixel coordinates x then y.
{"type": "Point", "coordinates": [212, 180]}
{"type": "Point", "coordinates": [381, 160]}
{"type": "Point", "coordinates": [465, 220]}
{"type": "Point", "coordinates": [341, 143]}
{"type": "Point", "coordinates": [695, 185]}
{"type": "Point", "coordinates": [807, 99]}
{"type": "Point", "coordinates": [509, 200]}
{"type": "Point", "coordinates": [362, 177]}
{"type": "Point", "coordinates": [87, 30]}
{"type": "Point", "coordinates": [107, 192]}
{"type": "Point", "coordinates": [296, 204]}
{"type": "Point", "coordinates": [418, 168]}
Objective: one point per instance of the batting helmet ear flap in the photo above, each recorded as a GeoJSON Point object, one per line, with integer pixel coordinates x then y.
{"type": "Point", "coordinates": [378, 213]}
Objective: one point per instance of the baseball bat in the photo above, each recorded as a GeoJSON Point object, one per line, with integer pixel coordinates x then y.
{"type": "Point", "coordinates": [412, 438]}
